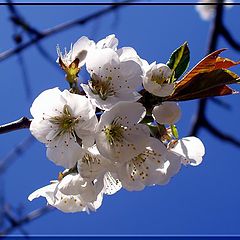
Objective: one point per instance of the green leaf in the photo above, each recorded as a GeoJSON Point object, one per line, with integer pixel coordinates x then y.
{"type": "Point", "coordinates": [179, 61]}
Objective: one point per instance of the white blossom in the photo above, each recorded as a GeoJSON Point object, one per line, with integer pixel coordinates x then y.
{"type": "Point", "coordinates": [167, 113]}
{"type": "Point", "coordinates": [96, 168]}
{"type": "Point", "coordinates": [157, 79]}
{"type": "Point", "coordinates": [62, 121]}
{"type": "Point", "coordinates": [191, 150]}
{"type": "Point", "coordinates": [207, 12]}
{"type": "Point", "coordinates": [119, 135]}
{"type": "Point", "coordinates": [114, 77]}
{"type": "Point", "coordinates": [146, 168]}
{"type": "Point", "coordinates": [75, 184]}
{"type": "Point", "coordinates": [65, 203]}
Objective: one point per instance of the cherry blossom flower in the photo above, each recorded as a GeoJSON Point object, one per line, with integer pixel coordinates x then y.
{"type": "Point", "coordinates": [96, 168]}
{"type": "Point", "coordinates": [75, 184]}
{"type": "Point", "coordinates": [114, 77]}
{"type": "Point", "coordinates": [74, 192]}
{"type": "Point", "coordinates": [65, 122]}
{"type": "Point", "coordinates": [206, 12]}
{"type": "Point", "coordinates": [191, 150]}
{"type": "Point", "coordinates": [119, 135]}
{"type": "Point", "coordinates": [157, 79]}
{"type": "Point", "coordinates": [167, 113]}
{"type": "Point", "coordinates": [65, 203]}
{"type": "Point", "coordinates": [146, 168]}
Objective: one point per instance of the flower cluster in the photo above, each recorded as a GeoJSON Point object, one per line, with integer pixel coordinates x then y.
{"type": "Point", "coordinates": [113, 131]}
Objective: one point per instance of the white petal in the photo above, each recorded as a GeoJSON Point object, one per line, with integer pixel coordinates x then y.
{"type": "Point", "coordinates": [160, 90]}
{"type": "Point", "coordinates": [206, 11]}
{"type": "Point", "coordinates": [126, 113]}
{"type": "Point", "coordinates": [64, 152]}
{"type": "Point", "coordinates": [98, 58]}
{"type": "Point", "coordinates": [40, 129]}
{"type": "Point", "coordinates": [162, 71]}
{"type": "Point", "coordinates": [191, 149]}
{"type": "Point", "coordinates": [47, 192]}
{"type": "Point", "coordinates": [130, 76]}
{"type": "Point", "coordinates": [171, 167]}
{"type": "Point", "coordinates": [127, 53]}
{"type": "Point", "coordinates": [47, 102]}
{"type": "Point", "coordinates": [134, 136]}
{"type": "Point", "coordinates": [167, 113]}
{"type": "Point", "coordinates": [111, 184]}
{"type": "Point", "coordinates": [92, 164]}
{"type": "Point", "coordinates": [145, 169]}
{"type": "Point", "coordinates": [65, 203]}
{"type": "Point", "coordinates": [79, 105]}
{"type": "Point", "coordinates": [74, 184]}
{"type": "Point", "coordinates": [121, 96]}
{"type": "Point", "coordinates": [109, 42]}
{"type": "Point", "coordinates": [80, 49]}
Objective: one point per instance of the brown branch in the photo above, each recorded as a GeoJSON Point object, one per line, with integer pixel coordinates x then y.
{"type": "Point", "coordinates": [26, 219]}
{"type": "Point", "coordinates": [21, 123]}
{"type": "Point", "coordinates": [59, 28]}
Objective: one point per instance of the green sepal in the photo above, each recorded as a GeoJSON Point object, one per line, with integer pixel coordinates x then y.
{"type": "Point", "coordinates": [174, 131]}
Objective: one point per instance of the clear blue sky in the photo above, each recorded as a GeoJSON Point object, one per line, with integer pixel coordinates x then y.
{"type": "Point", "coordinates": [200, 200]}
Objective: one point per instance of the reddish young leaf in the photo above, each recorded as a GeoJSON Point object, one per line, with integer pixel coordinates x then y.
{"type": "Point", "coordinates": [212, 92]}
{"type": "Point", "coordinates": [225, 63]}
{"type": "Point", "coordinates": [207, 79]}
{"type": "Point", "coordinates": [207, 64]}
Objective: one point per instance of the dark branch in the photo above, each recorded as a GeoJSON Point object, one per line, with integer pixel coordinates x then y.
{"type": "Point", "coordinates": [217, 133]}
{"type": "Point", "coordinates": [17, 151]}
{"type": "Point", "coordinates": [221, 103]}
{"type": "Point", "coordinates": [21, 123]}
{"type": "Point", "coordinates": [228, 37]}
{"type": "Point", "coordinates": [59, 28]}
{"type": "Point", "coordinates": [201, 121]}
{"type": "Point", "coordinates": [19, 21]}
{"type": "Point", "coordinates": [202, 104]}
{"type": "Point", "coordinates": [26, 219]}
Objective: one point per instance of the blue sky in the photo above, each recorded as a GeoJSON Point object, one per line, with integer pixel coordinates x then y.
{"type": "Point", "coordinates": [200, 200]}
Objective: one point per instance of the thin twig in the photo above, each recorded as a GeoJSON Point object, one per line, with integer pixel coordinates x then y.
{"type": "Point", "coordinates": [221, 103]}
{"type": "Point", "coordinates": [59, 28]}
{"type": "Point", "coordinates": [12, 219]}
{"type": "Point", "coordinates": [228, 37]}
{"type": "Point", "coordinates": [26, 219]}
{"type": "Point", "coordinates": [21, 123]}
{"type": "Point", "coordinates": [19, 21]}
{"type": "Point", "coordinates": [202, 104]}
{"type": "Point", "coordinates": [17, 151]}
{"type": "Point", "coordinates": [201, 121]}
{"type": "Point", "coordinates": [223, 136]}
